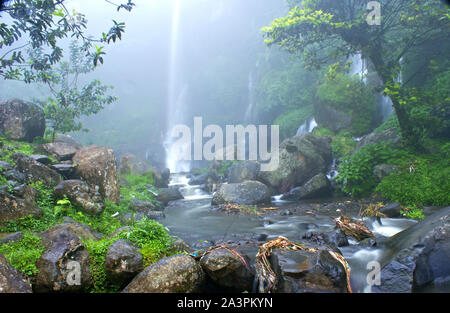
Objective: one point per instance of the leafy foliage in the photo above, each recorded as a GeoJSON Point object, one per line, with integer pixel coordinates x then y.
{"type": "Point", "coordinates": [45, 22]}
{"type": "Point", "coordinates": [23, 254]}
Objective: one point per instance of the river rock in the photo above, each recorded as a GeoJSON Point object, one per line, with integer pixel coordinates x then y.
{"type": "Point", "coordinates": [28, 193]}
{"type": "Point", "coordinates": [16, 176]}
{"type": "Point", "coordinates": [138, 216]}
{"type": "Point", "coordinates": [123, 262]}
{"type": "Point", "coordinates": [5, 166]}
{"type": "Point", "coordinates": [389, 136]}
{"type": "Point", "coordinates": [42, 159]}
{"type": "Point", "coordinates": [131, 164]}
{"type": "Point", "coordinates": [244, 171]}
{"type": "Point", "coordinates": [301, 158]}
{"type": "Point", "coordinates": [175, 274]}
{"type": "Point", "coordinates": [68, 171]}
{"type": "Point", "coordinates": [13, 208]}
{"type": "Point", "coordinates": [165, 195]}
{"type": "Point", "coordinates": [307, 272]}
{"type": "Point", "coordinates": [318, 187]}
{"type": "Point", "coordinates": [417, 259]}
{"type": "Point", "coordinates": [392, 210]}
{"type": "Point", "coordinates": [60, 150]}
{"type": "Point", "coordinates": [246, 193]}
{"type": "Point", "coordinates": [80, 195]}
{"type": "Point", "coordinates": [162, 177]}
{"type": "Point", "coordinates": [21, 120]}
{"type": "Point", "coordinates": [228, 271]}
{"type": "Point", "coordinates": [97, 166]}
{"type": "Point", "coordinates": [11, 281]}
{"type": "Point", "coordinates": [36, 171]}
{"type": "Point", "coordinates": [383, 170]}
{"type": "Point", "coordinates": [145, 206]}
{"type": "Point", "coordinates": [64, 255]}
{"type": "Point", "coordinates": [335, 238]}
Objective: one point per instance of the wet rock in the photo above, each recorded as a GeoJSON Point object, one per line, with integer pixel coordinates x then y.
{"type": "Point", "coordinates": [162, 178]}
{"type": "Point", "coordinates": [228, 271]}
{"type": "Point", "coordinates": [68, 171]}
{"type": "Point", "coordinates": [28, 193]}
{"type": "Point", "coordinates": [165, 195]}
{"type": "Point", "coordinates": [5, 166]}
{"type": "Point", "coordinates": [15, 175]}
{"type": "Point", "coordinates": [246, 193]}
{"type": "Point", "coordinates": [42, 159]}
{"type": "Point", "coordinates": [64, 265]}
{"type": "Point", "coordinates": [21, 120]}
{"type": "Point", "coordinates": [145, 206]}
{"type": "Point", "coordinates": [417, 258]}
{"type": "Point", "coordinates": [244, 171]}
{"type": "Point", "coordinates": [180, 246]}
{"type": "Point", "coordinates": [383, 170]}
{"type": "Point", "coordinates": [12, 238]}
{"type": "Point", "coordinates": [175, 274]}
{"type": "Point", "coordinates": [36, 171]}
{"type": "Point", "coordinates": [301, 158]}
{"type": "Point", "coordinates": [129, 163]}
{"type": "Point", "coordinates": [306, 272]}
{"type": "Point", "coordinates": [60, 150]}
{"type": "Point", "coordinates": [11, 281]}
{"type": "Point", "coordinates": [123, 262]}
{"type": "Point", "coordinates": [392, 210]}
{"type": "Point", "coordinates": [13, 208]}
{"type": "Point", "coordinates": [80, 195]}
{"type": "Point", "coordinates": [390, 136]}
{"type": "Point", "coordinates": [97, 166]}
{"type": "Point", "coordinates": [138, 216]}
{"type": "Point", "coordinates": [318, 187]}
{"type": "Point", "coordinates": [334, 238]}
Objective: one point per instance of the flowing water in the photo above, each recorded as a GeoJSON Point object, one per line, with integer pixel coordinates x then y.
{"type": "Point", "coordinates": [198, 224]}
{"type": "Point", "coordinates": [307, 127]}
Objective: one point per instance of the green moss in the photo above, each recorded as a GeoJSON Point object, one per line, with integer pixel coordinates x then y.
{"type": "Point", "coordinates": [137, 188]}
{"type": "Point", "coordinates": [23, 254]}
{"type": "Point", "coordinates": [391, 123]}
{"type": "Point", "coordinates": [342, 144]}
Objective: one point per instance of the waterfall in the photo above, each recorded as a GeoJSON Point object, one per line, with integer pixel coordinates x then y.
{"type": "Point", "coordinates": [176, 98]}
{"type": "Point", "coordinates": [359, 66]}
{"type": "Point", "coordinates": [249, 111]}
{"type": "Point", "coordinates": [307, 127]}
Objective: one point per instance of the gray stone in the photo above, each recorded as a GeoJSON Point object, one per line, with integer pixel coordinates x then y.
{"type": "Point", "coordinates": [11, 281]}
{"type": "Point", "coordinates": [318, 187]}
{"type": "Point", "coordinates": [246, 193]}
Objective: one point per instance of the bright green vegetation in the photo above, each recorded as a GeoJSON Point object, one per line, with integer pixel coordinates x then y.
{"type": "Point", "coordinates": [413, 213]}
{"type": "Point", "coordinates": [342, 144]}
{"type": "Point", "coordinates": [349, 96]}
{"type": "Point", "coordinates": [137, 187]}
{"type": "Point", "coordinates": [290, 122]}
{"type": "Point", "coordinates": [16, 147]}
{"type": "Point", "coordinates": [23, 254]}
{"type": "Point", "coordinates": [151, 237]}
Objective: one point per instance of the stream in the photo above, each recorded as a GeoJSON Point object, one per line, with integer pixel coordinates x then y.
{"type": "Point", "coordinates": [195, 221]}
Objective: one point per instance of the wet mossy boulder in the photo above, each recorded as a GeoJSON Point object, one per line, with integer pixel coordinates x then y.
{"type": "Point", "coordinates": [175, 274]}
{"type": "Point", "coordinates": [246, 193]}
{"type": "Point", "coordinates": [20, 120]}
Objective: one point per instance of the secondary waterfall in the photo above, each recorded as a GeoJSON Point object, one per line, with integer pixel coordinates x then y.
{"type": "Point", "coordinates": [249, 111]}
{"type": "Point", "coordinates": [307, 127]}
{"type": "Point", "coordinates": [359, 66]}
{"type": "Point", "coordinates": [176, 99]}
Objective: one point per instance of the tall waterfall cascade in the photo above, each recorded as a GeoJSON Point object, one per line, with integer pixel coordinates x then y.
{"type": "Point", "coordinates": [177, 99]}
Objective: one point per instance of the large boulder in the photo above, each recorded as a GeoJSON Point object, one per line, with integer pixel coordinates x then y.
{"type": "Point", "coordinates": [228, 271]}
{"type": "Point", "coordinates": [244, 171]}
{"type": "Point", "coordinates": [123, 262]}
{"type": "Point", "coordinates": [165, 195]}
{"type": "Point", "coordinates": [301, 158]}
{"type": "Point", "coordinates": [308, 272]}
{"type": "Point", "coordinates": [35, 170]}
{"type": "Point", "coordinates": [11, 281]}
{"type": "Point", "coordinates": [64, 265]}
{"type": "Point", "coordinates": [175, 274]}
{"type": "Point", "coordinates": [97, 166]}
{"type": "Point", "coordinates": [129, 163]}
{"type": "Point", "coordinates": [162, 177]}
{"type": "Point", "coordinates": [13, 208]}
{"type": "Point", "coordinates": [417, 259]}
{"type": "Point", "coordinates": [333, 119]}
{"type": "Point", "coordinates": [61, 150]}
{"type": "Point", "coordinates": [68, 139]}
{"type": "Point", "coordinates": [246, 193]}
{"type": "Point", "coordinates": [81, 196]}
{"type": "Point", "coordinates": [21, 120]}
{"type": "Point", "coordinates": [318, 187]}
{"type": "Point", "coordinates": [389, 136]}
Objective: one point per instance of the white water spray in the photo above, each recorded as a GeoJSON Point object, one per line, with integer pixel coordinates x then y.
{"type": "Point", "coordinates": [307, 127]}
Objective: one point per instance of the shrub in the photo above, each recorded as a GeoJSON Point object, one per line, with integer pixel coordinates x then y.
{"type": "Point", "coordinates": [23, 254]}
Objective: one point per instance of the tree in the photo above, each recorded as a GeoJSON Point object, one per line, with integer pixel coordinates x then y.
{"type": "Point", "coordinates": [44, 22]}
{"type": "Point", "coordinates": [69, 102]}
{"type": "Point", "coordinates": [325, 30]}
